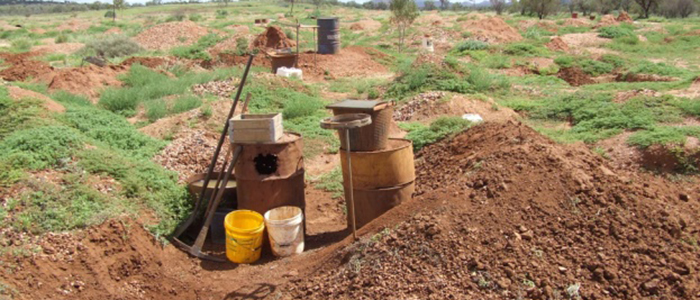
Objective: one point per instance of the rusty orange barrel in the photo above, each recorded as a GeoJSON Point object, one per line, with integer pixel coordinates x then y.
{"type": "Point", "coordinates": [385, 168]}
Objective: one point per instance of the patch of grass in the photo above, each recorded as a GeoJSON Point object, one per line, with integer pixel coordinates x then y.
{"type": "Point", "coordinates": [422, 135]}
{"type": "Point", "coordinates": [523, 49]}
{"type": "Point", "coordinates": [595, 68]}
{"type": "Point", "coordinates": [21, 44]}
{"type": "Point", "coordinates": [612, 32]}
{"type": "Point", "coordinates": [331, 182]}
{"type": "Point", "coordinates": [572, 29]}
{"type": "Point", "coordinates": [663, 135]}
{"type": "Point", "coordinates": [565, 61]}
{"type": "Point", "coordinates": [54, 57]}
{"type": "Point", "coordinates": [197, 50]}
{"type": "Point", "coordinates": [195, 17]}
{"type": "Point", "coordinates": [301, 107]}
{"type": "Point", "coordinates": [40, 147]}
{"type": "Point", "coordinates": [497, 62]}
{"type": "Point", "coordinates": [471, 45]}
{"type": "Point", "coordinates": [595, 116]}
{"type": "Point", "coordinates": [61, 38]}
{"type": "Point", "coordinates": [18, 115]}
{"type": "Point", "coordinates": [647, 67]}
{"type": "Point", "coordinates": [155, 109]}
{"type": "Point", "coordinates": [185, 103]}
{"type": "Point", "coordinates": [72, 99]}
{"type": "Point", "coordinates": [112, 130]}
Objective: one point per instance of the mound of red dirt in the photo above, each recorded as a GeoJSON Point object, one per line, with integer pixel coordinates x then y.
{"type": "Point", "coordinates": [575, 76]}
{"type": "Point", "coordinates": [171, 34]}
{"type": "Point", "coordinates": [557, 44]}
{"type": "Point", "coordinates": [273, 38]}
{"type": "Point", "coordinates": [506, 213]}
{"type": "Point", "coordinates": [151, 62]}
{"type": "Point", "coordinates": [23, 66]}
{"type": "Point", "coordinates": [88, 80]}
{"type": "Point", "coordinates": [492, 30]}
{"type": "Point", "coordinates": [607, 20]}
{"type": "Point", "coordinates": [624, 17]}
{"type": "Point", "coordinates": [18, 93]}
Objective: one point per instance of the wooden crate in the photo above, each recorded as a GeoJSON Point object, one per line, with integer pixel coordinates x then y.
{"type": "Point", "coordinates": [256, 128]}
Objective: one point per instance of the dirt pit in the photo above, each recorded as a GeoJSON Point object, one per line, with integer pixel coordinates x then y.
{"type": "Point", "coordinates": [171, 34]}
{"type": "Point", "coordinates": [505, 213]}
{"type": "Point", "coordinates": [575, 76]}
{"type": "Point", "coordinates": [492, 30]}
{"type": "Point", "coordinates": [23, 66]}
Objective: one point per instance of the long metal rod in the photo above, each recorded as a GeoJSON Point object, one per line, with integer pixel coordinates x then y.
{"type": "Point", "coordinates": [215, 157]}
{"type": "Point", "coordinates": [351, 196]}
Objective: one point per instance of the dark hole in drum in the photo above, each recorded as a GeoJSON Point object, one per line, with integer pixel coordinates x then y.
{"type": "Point", "coordinates": [266, 164]}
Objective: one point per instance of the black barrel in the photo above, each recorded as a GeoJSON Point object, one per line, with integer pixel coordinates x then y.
{"type": "Point", "coordinates": [328, 35]}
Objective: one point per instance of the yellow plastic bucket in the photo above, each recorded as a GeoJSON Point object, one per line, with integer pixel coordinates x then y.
{"type": "Point", "coordinates": [244, 236]}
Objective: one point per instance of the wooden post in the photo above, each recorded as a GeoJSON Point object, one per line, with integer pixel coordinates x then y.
{"type": "Point", "coordinates": [296, 62]}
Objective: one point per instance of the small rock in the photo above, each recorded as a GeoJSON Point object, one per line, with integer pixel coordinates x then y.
{"type": "Point", "coordinates": [684, 197]}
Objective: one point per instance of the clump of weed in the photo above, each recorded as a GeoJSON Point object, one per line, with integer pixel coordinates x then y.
{"type": "Point", "coordinates": [61, 38]}
{"type": "Point", "coordinates": [663, 135]}
{"type": "Point", "coordinates": [221, 14]}
{"type": "Point", "coordinates": [471, 45]}
{"type": "Point", "coordinates": [111, 46]}
{"type": "Point", "coordinates": [422, 135]}
{"type": "Point", "coordinates": [198, 50]}
{"type": "Point", "coordinates": [523, 49]}
{"type": "Point", "coordinates": [195, 17]}
{"type": "Point", "coordinates": [40, 147]}
{"type": "Point", "coordinates": [155, 109]}
{"type": "Point", "coordinates": [595, 68]}
{"type": "Point", "coordinates": [21, 44]}
{"type": "Point", "coordinates": [612, 32]}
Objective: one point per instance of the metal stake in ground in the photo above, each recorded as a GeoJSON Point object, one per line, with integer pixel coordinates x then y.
{"type": "Point", "coordinates": [347, 122]}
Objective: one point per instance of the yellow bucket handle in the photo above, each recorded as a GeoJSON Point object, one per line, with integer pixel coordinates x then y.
{"type": "Point", "coordinates": [246, 246]}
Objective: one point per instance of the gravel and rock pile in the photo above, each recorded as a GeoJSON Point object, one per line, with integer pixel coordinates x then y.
{"type": "Point", "coordinates": [223, 88]}
{"type": "Point", "coordinates": [170, 34]}
{"type": "Point", "coordinates": [416, 104]}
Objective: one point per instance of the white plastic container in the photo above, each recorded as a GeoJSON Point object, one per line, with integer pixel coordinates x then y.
{"type": "Point", "coordinates": [285, 229]}
{"type": "Point", "coordinates": [474, 118]}
{"type": "Point", "coordinates": [289, 72]}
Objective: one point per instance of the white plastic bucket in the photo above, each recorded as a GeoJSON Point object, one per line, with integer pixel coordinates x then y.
{"type": "Point", "coordinates": [286, 230]}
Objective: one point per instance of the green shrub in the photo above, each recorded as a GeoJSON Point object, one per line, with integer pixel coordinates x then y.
{"type": "Point", "coordinates": [18, 115]}
{"type": "Point", "coordinates": [612, 32]}
{"type": "Point", "coordinates": [241, 46]}
{"type": "Point", "coordinates": [471, 45]}
{"type": "Point", "coordinates": [595, 68]}
{"type": "Point", "coordinates": [155, 109]}
{"type": "Point", "coordinates": [221, 14]}
{"type": "Point", "coordinates": [186, 103]}
{"type": "Point", "coordinates": [122, 101]}
{"type": "Point", "coordinates": [177, 16]}
{"type": "Point", "coordinates": [68, 98]}
{"type": "Point", "coordinates": [21, 44]}
{"type": "Point", "coordinates": [565, 61]}
{"type": "Point", "coordinates": [424, 135]}
{"type": "Point", "coordinates": [61, 38]}
{"type": "Point", "coordinates": [109, 14]}
{"type": "Point", "coordinates": [373, 93]}
{"type": "Point", "coordinates": [111, 46]}
{"type": "Point", "coordinates": [40, 147]}
{"type": "Point", "coordinates": [195, 17]}
{"type": "Point", "coordinates": [689, 106]}
{"type": "Point", "coordinates": [522, 49]}
{"type": "Point", "coordinates": [497, 62]}
{"type": "Point", "coordinates": [614, 60]}
{"type": "Point", "coordinates": [647, 67]}
{"type": "Point", "coordinates": [301, 106]}
{"type": "Point", "coordinates": [629, 40]}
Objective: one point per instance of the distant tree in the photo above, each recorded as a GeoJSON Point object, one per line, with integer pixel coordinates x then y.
{"type": "Point", "coordinates": [543, 8]}
{"type": "Point", "coordinates": [444, 4]}
{"type": "Point", "coordinates": [647, 6]}
{"type": "Point", "coordinates": [498, 5]}
{"type": "Point", "coordinates": [368, 5]}
{"type": "Point", "coordinates": [225, 2]}
{"type": "Point", "coordinates": [429, 5]}
{"type": "Point", "coordinates": [381, 6]}
{"type": "Point", "coordinates": [404, 12]}
{"type": "Point", "coordinates": [291, 11]}
{"type": "Point", "coordinates": [116, 4]}
{"type": "Point", "coordinates": [604, 7]}
{"type": "Point", "coordinates": [686, 8]}
{"type": "Point", "coordinates": [457, 6]}
{"type": "Point", "coordinates": [585, 6]}
{"type": "Point", "coordinates": [316, 2]}
{"type": "Point", "coordinates": [625, 5]}
{"type": "Point", "coordinates": [677, 8]}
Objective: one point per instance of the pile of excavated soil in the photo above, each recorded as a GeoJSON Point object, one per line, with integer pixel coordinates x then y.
{"type": "Point", "coordinates": [428, 58]}
{"type": "Point", "coordinates": [273, 38]}
{"type": "Point", "coordinates": [557, 44]}
{"type": "Point", "coordinates": [505, 213]}
{"type": "Point", "coordinates": [73, 25]}
{"type": "Point", "coordinates": [624, 17]}
{"type": "Point", "coordinates": [230, 59]}
{"type": "Point", "coordinates": [353, 61]}
{"type": "Point", "coordinates": [575, 76]}
{"type": "Point", "coordinates": [607, 20]}
{"type": "Point", "coordinates": [577, 23]}
{"type": "Point", "coordinates": [18, 93]}
{"type": "Point", "coordinates": [228, 45]}
{"type": "Point", "coordinates": [88, 80]}
{"type": "Point", "coordinates": [365, 25]}
{"type": "Point", "coordinates": [63, 48]}
{"type": "Point", "coordinates": [459, 105]}
{"type": "Point", "coordinates": [492, 30]}
{"type": "Point", "coordinates": [22, 66]}
{"type": "Point", "coordinates": [418, 103]}
{"type": "Point", "coordinates": [171, 34]}
{"type": "Point", "coordinates": [151, 62]}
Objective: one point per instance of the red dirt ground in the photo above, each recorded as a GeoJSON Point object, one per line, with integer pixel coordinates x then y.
{"type": "Point", "coordinates": [575, 76]}
{"type": "Point", "coordinates": [88, 80]}
{"type": "Point", "coordinates": [273, 38]}
{"type": "Point", "coordinates": [23, 66]}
